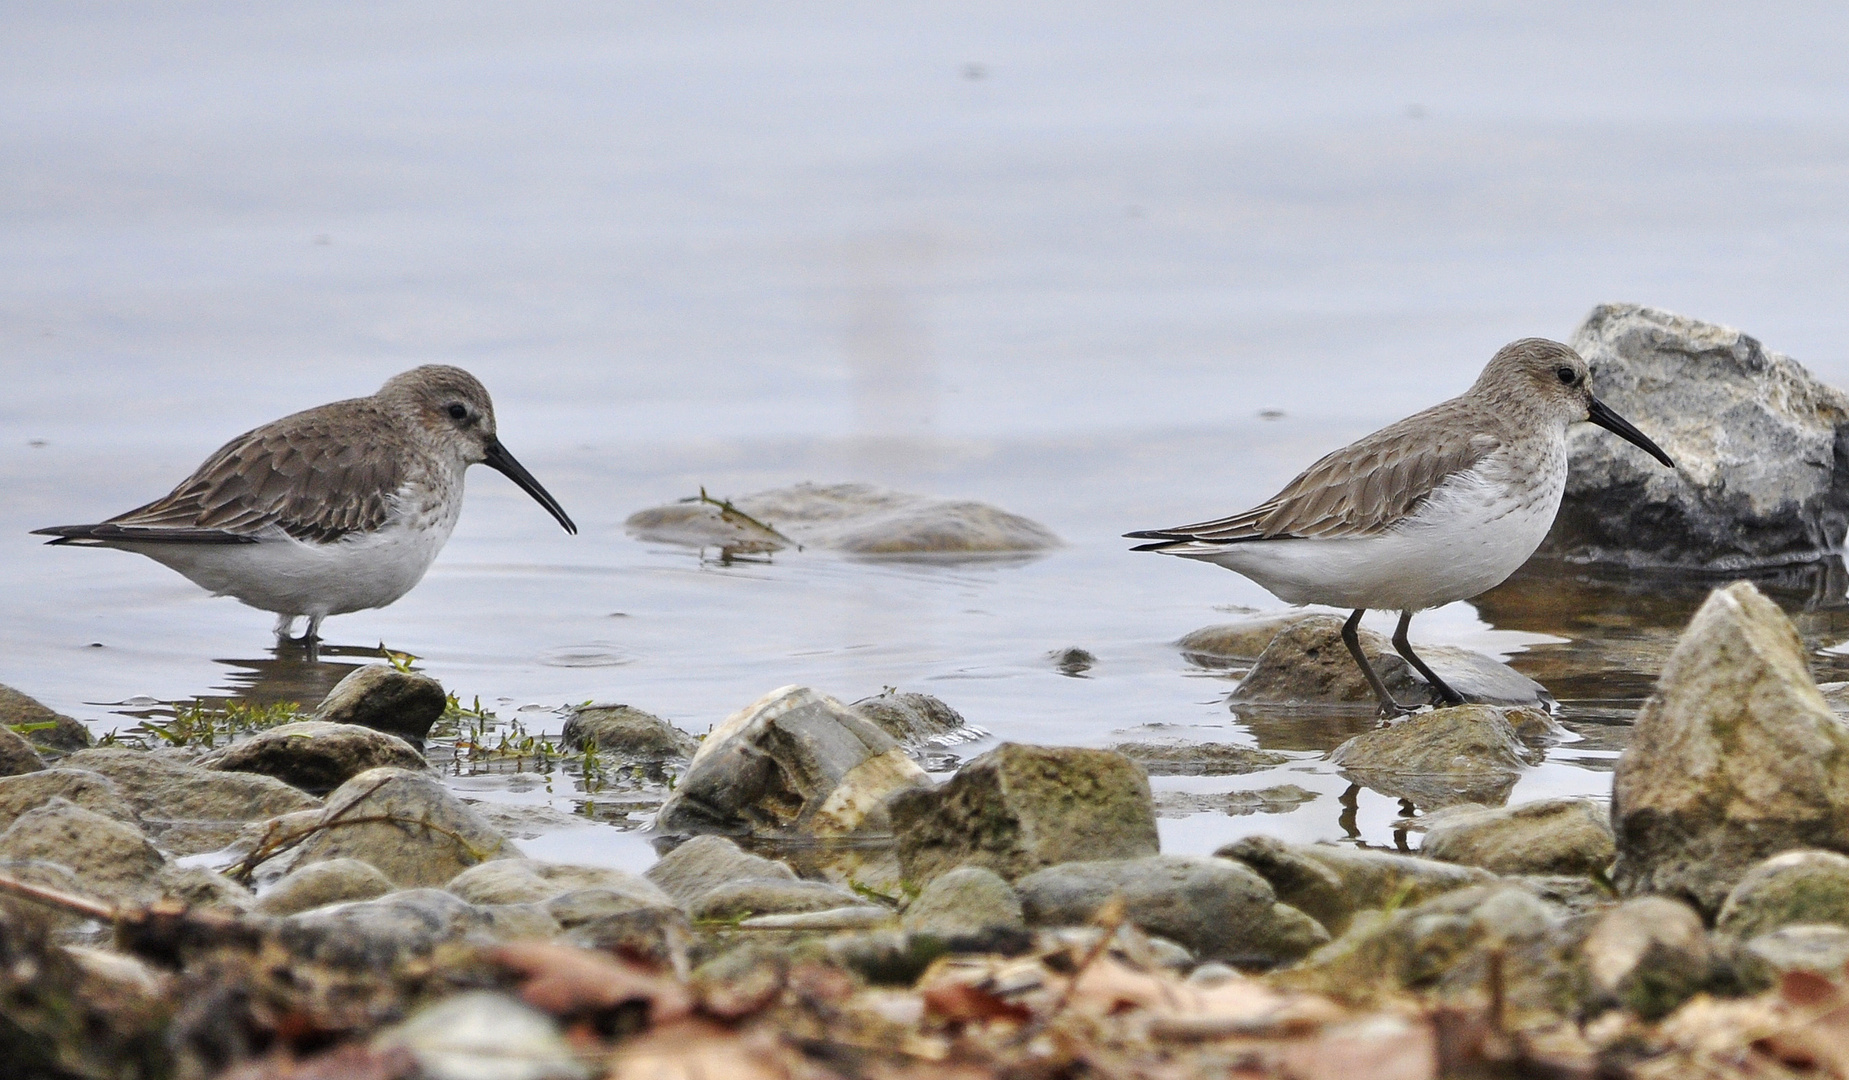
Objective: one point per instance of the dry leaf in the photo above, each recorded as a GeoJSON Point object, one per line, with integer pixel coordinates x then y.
{"type": "Point", "coordinates": [569, 982]}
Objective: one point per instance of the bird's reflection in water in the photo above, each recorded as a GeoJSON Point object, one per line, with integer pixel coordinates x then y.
{"type": "Point", "coordinates": [297, 672]}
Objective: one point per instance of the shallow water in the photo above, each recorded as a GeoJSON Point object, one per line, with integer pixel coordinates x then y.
{"type": "Point", "coordinates": [1066, 260]}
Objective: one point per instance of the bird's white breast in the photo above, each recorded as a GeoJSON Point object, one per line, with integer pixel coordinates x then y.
{"type": "Point", "coordinates": [294, 577]}
{"type": "Point", "coordinates": [1474, 530]}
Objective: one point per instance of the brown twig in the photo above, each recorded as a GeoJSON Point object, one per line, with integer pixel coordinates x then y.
{"type": "Point", "coordinates": [728, 512]}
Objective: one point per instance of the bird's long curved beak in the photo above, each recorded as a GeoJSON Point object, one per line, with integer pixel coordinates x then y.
{"type": "Point", "coordinates": [1619, 426]}
{"type": "Point", "coordinates": [503, 462]}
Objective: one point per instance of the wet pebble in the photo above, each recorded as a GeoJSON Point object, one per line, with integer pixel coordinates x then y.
{"type": "Point", "coordinates": [314, 755]}
{"type": "Point", "coordinates": [1217, 908]}
{"type": "Point", "coordinates": [111, 861]}
{"type": "Point", "coordinates": [1019, 808]}
{"type": "Point", "coordinates": [1547, 836]}
{"type": "Point", "coordinates": [484, 1035]}
{"type": "Point", "coordinates": [379, 696]}
{"type": "Point", "coordinates": [188, 809]}
{"type": "Point", "coordinates": [967, 900]}
{"type": "Point", "coordinates": [1332, 883]}
{"type": "Point", "coordinates": [705, 863]}
{"type": "Point", "coordinates": [407, 824]}
{"type": "Point", "coordinates": [627, 733]}
{"type": "Point", "coordinates": [17, 755]}
{"type": "Point", "coordinates": [1789, 888]}
{"type": "Point", "coordinates": [530, 881]}
{"type": "Point", "coordinates": [1469, 753]}
{"type": "Point", "coordinates": [335, 881]}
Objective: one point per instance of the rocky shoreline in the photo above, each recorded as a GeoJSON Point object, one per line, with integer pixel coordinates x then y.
{"type": "Point", "coordinates": [310, 899]}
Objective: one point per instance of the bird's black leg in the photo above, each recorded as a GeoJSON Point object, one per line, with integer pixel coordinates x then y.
{"type": "Point", "coordinates": [1388, 706]}
{"type": "Point", "coordinates": [1446, 695]}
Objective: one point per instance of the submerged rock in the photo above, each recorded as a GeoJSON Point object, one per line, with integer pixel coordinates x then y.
{"type": "Point", "coordinates": [912, 719]}
{"type": "Point", "coordinates": [1548, 836]}
{"type": "Point", "coordinates": [1232, 644]}
{"type": "Point", "coordinates": [379, 696]}
{"type": "Point", "coordinates": [111, 861]}
{"type": "Point", "coordinates": [407, 824]}
{"type": "Point", "coordinates": [967, 900]}
{"type": "Point", "coordinates": [856, 518]}
{"type": "Point", "coordinates": [1331, 884]}
{"type": "Point", "coordinates": [1198, 759]}
{"type": "Point", "coordinates": [705, 863]}
{"type": "Point", "coordinates": [1790, 888]}
{"type": "Point", "coordinates": [1217, 908]}
{"type": "Point", "coordinates": [336, 881]}
{"type": "Point", "coordinates": [627, 733]}
{"type": "Point", "coordinates": [1733, 759]}
{"type": "Point", "coordinates": [794, 762]}
{"type": "Point", "coordinates": [618, 920]}
{"type": "Point", "coordinates": [1467, 753]}
{"type": "Point", "coordinates": [1018, 808]}
{"type": "Point", "coordinates": [314, 755]}
{"type": "Point", "coordinates": [188, 809]}
{"type": "Point", "coordinates": [1308, 663]}
{"type": "Point", "coordinates": [1760, 474]}
{"type": "Point", "coordinates": [41, 726]}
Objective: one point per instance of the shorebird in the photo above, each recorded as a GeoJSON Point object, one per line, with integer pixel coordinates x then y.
{"type": "Point", "coordinates": [333, 509]}
{"type": "Point", "coordinates": [1440, 506]}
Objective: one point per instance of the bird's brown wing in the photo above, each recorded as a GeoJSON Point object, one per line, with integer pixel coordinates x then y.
{"type": "Point", "coordinates": [1360, 490]}
{"type": "Point", "coordinates": [316, 475]}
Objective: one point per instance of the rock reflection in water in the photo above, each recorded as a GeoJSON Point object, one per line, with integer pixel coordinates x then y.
{"type": "Point", "coordinates": [293, 672]}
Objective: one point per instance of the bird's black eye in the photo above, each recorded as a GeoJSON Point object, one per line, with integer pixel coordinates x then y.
{"type": "Point", "coordinates": [1567, 375]}
{"type": "Point", "coordinates": [461, 412]}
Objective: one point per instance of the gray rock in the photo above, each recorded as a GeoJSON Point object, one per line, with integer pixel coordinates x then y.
{"type": "Point", "coordinates": [529, 881]}
{"type": "Point", "coordinates": [111, 861]}
{"type": "Point", "coordinates": [964, 901]}
{"type": "Point", "coordinates": [827, 920]}
{"type": "Point", "coordinates": [1237, 643]}
{"type": "Point", "coordinates": [314, 755]}
{"type": "Point", "coordinates": [381, 697]}
{"type": "Point", "coordinates": [1307, 663]}
{"type": "Point", "coordinates": [40, 725]}
{"type": "Point", "coordinates": [1073, 662]}
{"type": "Point", "coordinates": [188, 809]}
{"type": "Point", "coordinates": [197, 887]}
{"type": "Point", "coordinates": [1469, 753]}
{"type": "Point", "coordinates": [1331, 883]}
{"type": "Point", "coordinates": [336, 881]}
{"type": "Point", "coordinates": [90, 790]}
{"type": "Point", "coordinates": [512, 922]}
{"type": "Point", "coordinates": [618, 921]}
{"type": "Point", "coordinates": [17, 755]}
{"type": "Point", "coordinates": [1790, 888]}
{"type": "Point", "coordinates": [704, 863]}
{"type": "Point", "coordinates": [430, 837]}
{"type": "Point", "coordinates": [1649, 955]}
{"type": "Point", "coordinates": [525, 821]}
{"type": "Point", "coordinates": [1019, 808]}
{"type": "Point", "coordinates": [484, 1035]}
{"type": "Point", "coordinates": [378, 934]}
{"type": "Point", "coordinates": [911, 719]}
{"type": "Point", "coordinates": [1817, 949]}
{"type": "Point", "coordinates": [627, 733]}
{"type": "Point", "coordinates": [1198, 759]}
{"type": "Point", "coordinates": [857, 518]}
{"type": "Point", "coordinates": [794, 762]}
{"type": "Point", "coordinates": [769, 896]}
{"type": "Point", "coordinates": [1548, 836]}
{"type": "Point", "coordinates": [1733, 759]}
{"type": "Point", "coordinates": [1217, 908]}
{"type": "Point", "coordinates": [1759, 478]}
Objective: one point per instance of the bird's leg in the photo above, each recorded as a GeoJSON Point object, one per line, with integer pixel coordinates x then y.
{"type": "Point", "coordinates": [1388, 706]}
{"type": "Point", "coordinates": [312, 635]}
{"type": "Point", "coordinates": [1446, 695]}
{"type": "Point", "coordinates": [284, 624]}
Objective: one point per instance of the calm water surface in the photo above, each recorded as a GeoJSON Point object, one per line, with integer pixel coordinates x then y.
{"type": "Point", "coordinates": [1108, 268]}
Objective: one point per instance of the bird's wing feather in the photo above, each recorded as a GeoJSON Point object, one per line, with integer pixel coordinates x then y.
{"type": "Point", "coordinates": [1360, 490]}
{"type": "Point", "coordinates": [306, 474]}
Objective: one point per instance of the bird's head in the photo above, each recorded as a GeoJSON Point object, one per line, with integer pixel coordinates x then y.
{"type": "Point", "coordinates": [1548, 378]}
